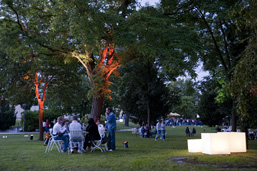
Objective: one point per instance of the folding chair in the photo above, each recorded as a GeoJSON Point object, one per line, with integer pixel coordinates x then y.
{"type": "Point", "coordinates": [76, 139]}
{"type": "Point", "coordinates": [52, 142]}
{"type": "Point", "coordinates": [98, 143]}
{"type": "Point", "coordinates": [104, 143]}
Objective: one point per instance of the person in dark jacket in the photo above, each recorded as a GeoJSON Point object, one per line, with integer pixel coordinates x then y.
{"type": "Point", "coordinates": [187, 132]}
{"type": "Point", "coordinates": [92, 134]}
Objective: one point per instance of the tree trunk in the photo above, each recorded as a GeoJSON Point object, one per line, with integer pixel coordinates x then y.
{"type": "Point", "coordinates": [233, 117]}
{"type": "Point", "coordinates": [41, 131]}
{"type": "Point", "coordinates": [97, 104]}
{"type": "Point", "coordinates": [148, 115]}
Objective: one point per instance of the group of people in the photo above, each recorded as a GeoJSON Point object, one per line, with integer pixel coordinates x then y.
{"type": "Point", "coordinates": [161, 131]}
{"type": "Point", "coordinates": [94, 131]}
{"type": "Point", "coordinates": [189, 132]}
{"type": "Point", "coordinates": [145, 131]}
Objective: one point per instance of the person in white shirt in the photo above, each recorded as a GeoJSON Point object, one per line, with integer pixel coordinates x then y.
{"type": "Point", "coordinates": [44, 125]}
{"type": "Point", "coordinates": [101, 128]}
{"type": "Point", "coordinates": [163, 130]}
{"type": "Point", "coordinates": [58, 133]}
{"type": "Point", "coordinates": [159, 131]}
{"type": "Point", "coordinates": [75, 125]}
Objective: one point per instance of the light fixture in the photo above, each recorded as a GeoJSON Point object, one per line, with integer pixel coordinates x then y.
{"type": "Point", "coordinates": [194, 145]}
{"type": "Point", "coordinates": [218, 143]}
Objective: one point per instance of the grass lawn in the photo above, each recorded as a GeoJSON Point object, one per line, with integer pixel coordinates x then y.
{"type": "Point", "coordinates": [19, 153]}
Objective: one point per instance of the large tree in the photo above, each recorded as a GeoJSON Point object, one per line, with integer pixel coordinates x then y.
{"type": "Point", "coordinates": [101, 35]}
{"type": "Point", "coordinates": [244, 80]}
{"type": "Point", "coordinates": [142, 92]}
{"type": "Point", "coordinates": [86, 30]}
{"type": "Point", "coordinates": [29, 70]}
{"type": "Point", "coordinates": [222, 44]}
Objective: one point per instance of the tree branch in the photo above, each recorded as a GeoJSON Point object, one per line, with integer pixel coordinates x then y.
{"type": "Point", "coordinates": [179, 8]}
{"type": "Point", "coordinates": [214, 40]}
{"type": "Point", "coordinates": [104, 54]}
{"type": "Point", "coordinates": [225, 43]}
{"type": "Point", "coordinates": [17, 15]}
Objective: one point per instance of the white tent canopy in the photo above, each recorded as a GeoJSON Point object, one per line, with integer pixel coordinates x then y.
{"type": "Point", "coordinates": [173, 114]}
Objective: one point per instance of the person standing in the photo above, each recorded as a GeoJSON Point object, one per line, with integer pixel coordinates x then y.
{"type": "Point", "coordinates": [159, 131]}
{"type": "Point", "coordinates": [47, 125]}
{"type": "Point", "coordinates": [163, 130]}
{"type": "Point", "coordinates": [187, 132]}
{"type": "Point", "coordinates": [111, 128]}
{"type": "Point", "coordinates": [59, 133]}
{"type": "Point", "coordinates": [121, 114]}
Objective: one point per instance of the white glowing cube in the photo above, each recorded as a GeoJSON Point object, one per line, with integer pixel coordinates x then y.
{"type": "Point", "coordinates": [237, 141]}
{"type": "Point", "coordinates": [213, 143]}
{"type": "Point", "coordinates": [194, 145]}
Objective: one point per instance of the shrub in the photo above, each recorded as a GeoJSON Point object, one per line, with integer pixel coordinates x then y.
{"type": "Point", "coordinates": [32, 118]}
{"type": "Point", "coordinates": [7, 115]}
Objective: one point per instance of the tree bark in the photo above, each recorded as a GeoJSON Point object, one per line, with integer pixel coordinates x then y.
{"type": "Point", "coordinates": [97, 103]}
{"type": "Point", "coordinates": [40, 103]}
{"type": "Point", "coordinates": [148, 114]}
{"type": "Point", "coordinates": [233, 117]}
{"type": "Point", "coordinates": [41, 131]}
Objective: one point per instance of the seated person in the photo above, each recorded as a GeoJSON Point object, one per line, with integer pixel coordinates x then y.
{"type": "Point", "coordinates": [101, 128]}
{"type": "Point", "coordinates": [83, 127]}
{"type": "Point", "coordinates": [75, 125]}
{"type": "Point", "coordinates": [147, 131]}
{"type": "Point", "coordinates": [142, 131]}
{"type": "Point", "coordinates": [59, 133]}
{"type": "Point", "coordinates": [92, 134]}
{"type": "Point", "coordinates": [66, 125]}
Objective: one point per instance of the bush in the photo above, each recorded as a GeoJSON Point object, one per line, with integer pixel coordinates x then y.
{"type": "Point", "coordinates": [7, 115]}
{"type": "Point", "coordinates": [32, 118]}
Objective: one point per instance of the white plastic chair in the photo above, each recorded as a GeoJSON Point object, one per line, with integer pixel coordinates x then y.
{"type": "Point", "coordinates": [76, 139]}
{"type": "Point", "coordinates": [98, 143]}
{"type": "Point", "coordinates": [52, 142]}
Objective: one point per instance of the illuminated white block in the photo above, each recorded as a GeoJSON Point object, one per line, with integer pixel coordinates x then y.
{"type": "Point", "coordinates": [237, 141]}
{"type": "Point", "coordinates": [213, 143]}
{"type": "Point", "coordinates": [194, 145]}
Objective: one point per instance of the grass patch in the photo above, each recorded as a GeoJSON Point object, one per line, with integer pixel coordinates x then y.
{"type": "Point", "coordinates": [121, 125]}
{"type": "Point", "coordinates": [20, 153]}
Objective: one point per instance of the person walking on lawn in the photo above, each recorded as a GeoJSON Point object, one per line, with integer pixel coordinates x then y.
{"type": "Point", "coordinates": [159, 131]}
